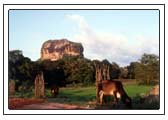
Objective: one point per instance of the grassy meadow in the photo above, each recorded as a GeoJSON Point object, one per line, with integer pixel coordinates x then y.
{"type": "Point", "coordinates": [86, 96]}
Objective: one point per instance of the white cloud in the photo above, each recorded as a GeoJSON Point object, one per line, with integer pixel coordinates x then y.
{"type": "Point", "coordinates": [81, 21]}
{"type": "Point", "coordinates": [114, 47]}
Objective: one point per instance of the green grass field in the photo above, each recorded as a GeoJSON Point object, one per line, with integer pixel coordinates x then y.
{"type": "Point", "coordinates": [84, 95]}
{"type": "Point", "coordinates": [74, 95]}
{"type": "Point", "coordinates": [134, 90]}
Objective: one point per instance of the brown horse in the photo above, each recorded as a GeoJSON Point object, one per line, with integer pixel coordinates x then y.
{"type": "Point", "coordinates": [114, 88]}
{"type": "Point", "coordinates": [54, 90]}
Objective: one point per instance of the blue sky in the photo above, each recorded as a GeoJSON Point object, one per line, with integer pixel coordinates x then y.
{"type": "Point", "coordinates": [120, 36]}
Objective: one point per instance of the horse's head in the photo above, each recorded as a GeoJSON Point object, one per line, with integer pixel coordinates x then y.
{"type": "Point", "coordinates": [128, 102]}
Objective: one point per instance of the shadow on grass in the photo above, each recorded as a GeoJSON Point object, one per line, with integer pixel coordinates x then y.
{"type": "Point", "coordinates": [71, 98]}
{"type": "Point", "coordinates": [138, 103]}
{"type": "Point", "coordinates": [146, 103]}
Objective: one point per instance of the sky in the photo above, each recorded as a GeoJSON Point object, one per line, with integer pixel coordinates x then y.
{"type": "Point", "coordinates": [120, 36]}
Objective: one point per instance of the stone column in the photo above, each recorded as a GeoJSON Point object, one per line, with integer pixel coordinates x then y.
{"type": "Point", "coordinates": [102, 73]}
{"type": "Point", "coordinates": [39, 85]}
{"type": "Point", "coordinates": [11, 87]}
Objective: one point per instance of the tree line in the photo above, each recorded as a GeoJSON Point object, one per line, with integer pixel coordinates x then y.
{"type": "Point", "coordinates": [72, 70]}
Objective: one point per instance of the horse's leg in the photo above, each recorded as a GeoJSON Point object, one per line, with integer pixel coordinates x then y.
{"type": "Point", "coordinates": [115, 98]}
{"type": "Point", "coordinates": [101, 97]}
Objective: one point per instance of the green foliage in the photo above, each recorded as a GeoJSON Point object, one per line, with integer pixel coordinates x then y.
{"type": "Point", "coordinates": [146, 71]}
{"type": "Point", "coordinates": [69, 70]}
{"type": "Point", "coordinates": [123, 73]}
{"type": "Point", "coordinates": [53, 72]}
{"type": "Point", "coordinates": [78, 70]}
{"type": "Point", "coordinates": [21, 68]}
{"type": "Point", "coordinates": [24, 92]}
{"type": "Point", "coordinates": [115, 71]}
{"type": "Point", "coordinates": [147, 59]}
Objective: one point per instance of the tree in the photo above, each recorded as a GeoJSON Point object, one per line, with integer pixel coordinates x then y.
{"type": "Point", "coordinates": [151, 64]}
{"type": "Point", "coordinates": [147, 59]}
{"type": "Point", "coordinates": [68, 70]}
{"type": "Point", "coordinates": [21, 69]}
{"type": "Point", "coordinates": [123, 72]}
{"type": "Point", "coordinates": [131, 70]}
{"type": "Point", "coordinates": [53, 72]}
{"type": "Point", "coordinates": [78, 70]}
{"type": "Point", "coordinates": [115, 70]}
{"type": "Point", "coordinates": [146, 70]}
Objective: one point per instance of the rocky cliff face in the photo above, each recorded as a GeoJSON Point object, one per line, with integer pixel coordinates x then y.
{"type": "Point", "coordinates": [56, 49]}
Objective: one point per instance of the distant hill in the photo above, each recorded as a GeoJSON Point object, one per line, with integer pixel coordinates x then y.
{"type": "Point", "coordinates": [57, 49]}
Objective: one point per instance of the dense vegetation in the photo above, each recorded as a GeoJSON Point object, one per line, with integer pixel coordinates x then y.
{"type": "Point", "coordinates": [74, 72]}
{"type": "Point", "coordinates": [78, 70]}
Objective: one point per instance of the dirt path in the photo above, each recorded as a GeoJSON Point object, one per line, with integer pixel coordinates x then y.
{"type": "Point", "coordinates": [50, 106]}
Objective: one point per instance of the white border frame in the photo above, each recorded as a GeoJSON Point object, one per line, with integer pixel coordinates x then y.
{"type": "Point", "coordinates": [97, 112]}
